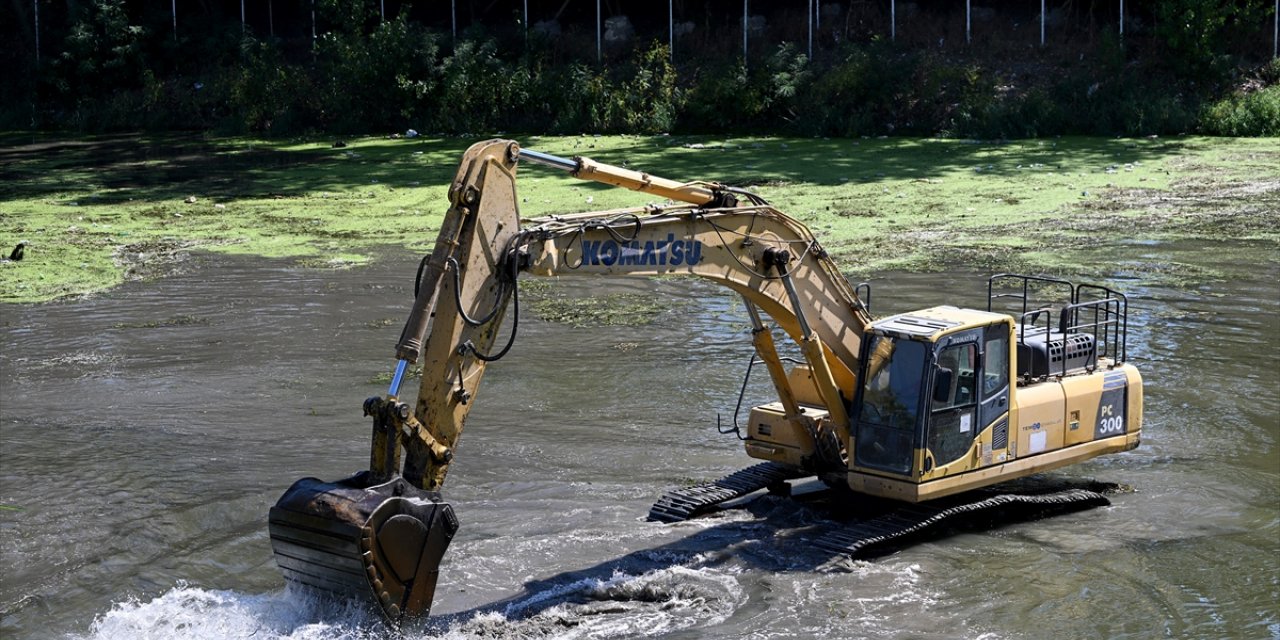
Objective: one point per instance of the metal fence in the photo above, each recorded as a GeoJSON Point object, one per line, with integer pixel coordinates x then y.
{"type": "Point", "coordinates": [761, 21]}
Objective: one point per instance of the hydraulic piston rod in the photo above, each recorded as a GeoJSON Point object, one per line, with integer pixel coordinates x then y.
{"type": "Point", "coordinates": [555, 162]}
{"type": "Point", "coordinates": [700, 193]}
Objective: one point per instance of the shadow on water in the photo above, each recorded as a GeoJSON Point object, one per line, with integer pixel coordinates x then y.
{"type": "Point", "coordinates": [783, 535]}
{"type": "Point", "coordinates": [157, 167]}
{"type": "Point", "coordinates": [831, 162]}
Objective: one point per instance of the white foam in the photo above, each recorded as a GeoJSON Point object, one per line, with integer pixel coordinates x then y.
{"type": "Point", "coordinates": [620, 605]}
{"type": "Point", "coordinates": [192, 613]}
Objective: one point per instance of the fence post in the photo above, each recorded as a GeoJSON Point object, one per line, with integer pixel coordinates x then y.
{"type": "Point", "coordinates": [1042, 19]}
{"type": "Point", "coordinates": [893, 19]}
{"type": "Point", "coordinates": [810, 7]}
{"type": "Point", "coordinates": [968, 22]}
{"type": "Point", "coordinates": [671, 28]}
{"type": "Point", "coordinates": [36, 4]}
{"type": "Point", "coordinates": [598, 57]}
{"type": "Point", "coordinates": [744, 34]}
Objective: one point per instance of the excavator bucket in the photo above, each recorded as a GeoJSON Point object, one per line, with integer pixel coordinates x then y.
{"type": "Point", "coordinates": [376, 542]}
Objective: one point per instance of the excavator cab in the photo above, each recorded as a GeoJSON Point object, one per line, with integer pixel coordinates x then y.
{"type": "Point", "coordinates": [953, 399]}
{"type": "Point", "coordinates": [929, 396]}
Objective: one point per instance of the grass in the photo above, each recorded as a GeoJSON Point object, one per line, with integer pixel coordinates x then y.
{"type": "Point", "coordinates": [97, 211]}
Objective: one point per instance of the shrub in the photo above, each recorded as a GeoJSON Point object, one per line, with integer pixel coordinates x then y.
{"type": "Point", "coordinates": [722, 98]}
{"type": "Point", "coordinates": [269, 96]}
{"type": "Point", "coordinates": [379, 80]}
{"type": "Point", "coordinates": [1256, 113]}
{"type": "Point", "coordinates": [99, 64]}
{"type": "Point", "coordinates": [649, 99]}
{"type": "Point", "coordinates": [478, 92]}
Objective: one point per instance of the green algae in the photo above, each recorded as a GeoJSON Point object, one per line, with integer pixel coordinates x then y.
{"type": "Point", "coordinates": [613, 309]}
{"type": "Point", "coordinates": [99, 211]}
{"type": "Point", "coordinates": [174, 321]}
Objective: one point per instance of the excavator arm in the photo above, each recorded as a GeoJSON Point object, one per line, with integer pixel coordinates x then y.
{"type": "Point", "coordinates": [770, 259]}
{"type": "Point", "coordinates": [383, 531]}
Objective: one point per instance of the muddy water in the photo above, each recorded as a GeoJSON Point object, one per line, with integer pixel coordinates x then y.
{"type": "Point", "coordinates": [145, 432]}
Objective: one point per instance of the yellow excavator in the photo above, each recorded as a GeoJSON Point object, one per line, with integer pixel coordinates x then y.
{"type": "Point", "coordinates": [928, 409]}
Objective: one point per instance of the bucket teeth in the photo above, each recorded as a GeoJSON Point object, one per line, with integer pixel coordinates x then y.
{"type": "Point", "coordinates": [377, 543]}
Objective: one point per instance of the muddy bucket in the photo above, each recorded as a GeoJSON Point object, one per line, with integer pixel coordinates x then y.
{"type": "Point", "coordinates": [375, 542]}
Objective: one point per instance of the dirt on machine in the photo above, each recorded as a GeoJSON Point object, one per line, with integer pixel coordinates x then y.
{"type": "Point", "coordinates": [928, 412]}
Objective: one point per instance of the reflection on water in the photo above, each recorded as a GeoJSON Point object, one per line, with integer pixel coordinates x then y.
{"type": "Point", "coordinates": [146, 431]}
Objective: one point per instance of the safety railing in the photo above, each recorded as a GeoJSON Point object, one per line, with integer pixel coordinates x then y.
{"type": "Point", "coordinates": [1090, 326]}
{"type": "Point", "coordinates": [1106, 316]}
{"type": "Point", "coordinates": [1025, 283]}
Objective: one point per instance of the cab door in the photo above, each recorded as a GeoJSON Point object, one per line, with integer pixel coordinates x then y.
{"type": "Point", "coordinates": [953, 415]}
{"type": "Point", "coordinates": [994, 375]}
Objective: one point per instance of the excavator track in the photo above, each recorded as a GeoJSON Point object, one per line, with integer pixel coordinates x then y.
{"type": "Point", "coordinates": [857, 539]}
{"type": "Point", "coordinates": [861, 537]}
{"type": "Point", "coordinates": [682, 504]}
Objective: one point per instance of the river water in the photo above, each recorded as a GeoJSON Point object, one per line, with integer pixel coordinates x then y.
{"type": "Point", "coordinates": [146, 431]}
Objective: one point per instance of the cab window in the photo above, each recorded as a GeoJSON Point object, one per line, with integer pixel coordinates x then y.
{"type": "Point", "coordinates": [891, 403]}
{"type": "Point", "coordinates": [995, 376]}
{"type": "Point", "coordinates": [953, 403]}
{"type": "Point", "coordinates": [960, 361]}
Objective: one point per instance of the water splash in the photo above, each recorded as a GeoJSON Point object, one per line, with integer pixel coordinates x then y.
{"type": "Point", "coordinates": [619, 606]}
{"type": "Point", "coordinates": [193, 613]}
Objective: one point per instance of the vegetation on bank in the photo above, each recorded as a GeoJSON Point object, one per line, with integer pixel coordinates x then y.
{"type": "Point", "coordinates": [99, 210]}
{"type": "Point", "coordinates": [1183, 68]}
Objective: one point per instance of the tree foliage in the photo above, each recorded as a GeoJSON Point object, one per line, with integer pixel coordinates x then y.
{"type": "Point", "coordinates": [1192, 31]}
{"type": "Point", "coordinates": [114, 69]}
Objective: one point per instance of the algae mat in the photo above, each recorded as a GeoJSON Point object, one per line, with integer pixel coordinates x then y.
{"type": "Point", "coordinates": [97, 211]}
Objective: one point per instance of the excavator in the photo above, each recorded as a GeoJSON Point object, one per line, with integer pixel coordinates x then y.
{"type": "Point", "coordinates": [929, 410]}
